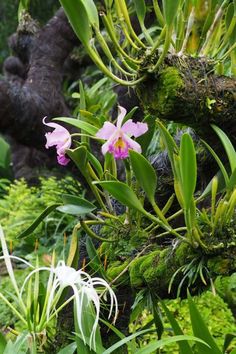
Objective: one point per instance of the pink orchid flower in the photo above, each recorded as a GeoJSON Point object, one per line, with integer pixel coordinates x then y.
{"type": "Point", "coordinates": [60, 138]}
{"type": "Point", "coordinates": [119, 137]}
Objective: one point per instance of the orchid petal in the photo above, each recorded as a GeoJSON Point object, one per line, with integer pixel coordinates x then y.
{"type": "Point", "coordinates": [62, 160]}
{"type": "Point", "coordinates": [133, 145]}
{"type": "Point", "coordinates": [134, 129]}
{"type": "Point", "coordinates": [122, 112]}
{"type": "Point", "coordinates": [106, 131]}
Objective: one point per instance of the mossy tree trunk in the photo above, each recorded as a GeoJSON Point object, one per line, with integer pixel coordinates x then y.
{"type": "Point", "coordinates": [186, 90]}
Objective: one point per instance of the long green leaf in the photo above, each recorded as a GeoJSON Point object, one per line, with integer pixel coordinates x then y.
{"type": "Point", "coordinates": [188, 168]}
{"type": "Point", "coordinates": [220, 164]}
{"type": "Point", "coordinates": [89, 128]}
{"type": "Point", "coordinates": [154, 345]}
{"type": "Point", "coordinates": [92, 12]}
{"type": "Point", "coordinates": [144, 173]}
{"type": "Point", "coordinates": [95, 261]}
{"type": "Point", "coordinates": [201, 331]}
{"type": "Point", "coordinates": [69, 349]}
{"type": "Point", "coordinates": [3, 342]}
{"type": "Point", "coordinates": [170, 144]}
{"type": "Point", "coordinates": [184, 347]}
{"type": "Point", "coordinates": [230, 151]}
{"type": "Point", "coordinates": [79, 19]}
{"type": "Point", "coordinates": [140, 8]}
{"type": "Point", "coordinates": [124, 341]}
{"type": "Point", "coordinates": [123, 193]}
{"type": "Point", "coordinates": [96, 164]}
{"type": "Point", "coordinates": [37, 221]}
{"type": "Point", "coordinates": [82, 205]}
{"type": "Point", "coordinates": [170, 9]}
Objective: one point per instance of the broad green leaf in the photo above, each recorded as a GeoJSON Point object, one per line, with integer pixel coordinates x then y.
{"type": "Point", "coordinates": [154, 345]}
{"type": "Point", "coordinates": [188, 168]}
{"type": "Point", "coordinates": [75, 206]}
{"type": "Point", "coordinates": [92, 12]}
{"type": "Point", "coordinates": [96, 164]}
{"type": "Point", "coordinates": [95, 261]}
{"type": "Point", "coordinates": [201, 331]}
{"type": "Point", "coordinates": [184, 347]}
{"type": "Point", "coordinates": [220, 164]}
{"type": "Point", "coordinates": [123, 193]}
{"type": "Point", "coordinates": [37, 221]}
{"type": "Point", "coordinates": [88, 128]}
{"type": "Point", "coordinates": [79, 156]}
{"type": "Point", "coordinates": [230, 151]}
{"type": "Point", "coordinates": [170, 9]}
{"type": "Point", "coordinates": [78, 16]}
{"type": "Point", "coordinates": [144, 173]}
{"type": "Point", "coordinates": [69, 349]}
{"type": "Point", "coordinates": [140, 8]}
{"type": "Point", "coordinates": [124, 341]}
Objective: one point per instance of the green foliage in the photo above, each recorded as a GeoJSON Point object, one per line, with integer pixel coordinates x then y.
{"type": "Point", "coordinates": [22, 205]}
{"type": "Point", "coordinates": [211, 307]}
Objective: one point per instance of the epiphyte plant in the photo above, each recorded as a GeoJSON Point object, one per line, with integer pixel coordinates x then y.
{"type": "Point", "coordinates": [175, 28]}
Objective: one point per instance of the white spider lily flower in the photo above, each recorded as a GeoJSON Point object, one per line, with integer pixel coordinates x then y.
{"type": "Point", "coordinates": [86, 296]}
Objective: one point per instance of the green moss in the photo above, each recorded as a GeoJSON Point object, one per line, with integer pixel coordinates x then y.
{"type": "Point", "coordinates": [136, 278]}
{"type": "Point", "coordinates": [182, 251]}
{"type": "Point", "coordinates": [159, 95]}
{"type": "Point", "coordinates": [155, 268]}
{"type": "Point", "coordinates": [221, 266]}
{"type": "Point", "coordinates": [115, 268]}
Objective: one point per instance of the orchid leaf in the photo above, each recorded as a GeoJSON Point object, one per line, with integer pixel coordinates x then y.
{"type": "Point", "coordinates": [145, 174]}
{"type": "Point", "coordinates": [78, 16]}
{"type": "Point", "coordinates": [230, 151]}
{"type": "Point", "coordinates": [79, 156]}
{"type": "Point", "coordinates": [123, 193]}
{"type": "Point", "coordinates": [88, 128]}
{"type": "Point", "coordinates": [221, 185]}
{"type": "Point", "coordinates": [38, 220]}
{"type": "Point", "coordinates": [140, 8]}
{"type": "Point", "coordinates": [170, 144]}
{"type": "Point", "coordinates": [188, 168]}
{"type": "Point", "coordinates": [201, 331]}
{"type": "Point", "coordinates": [232, 181]}
{"type": "Point", "coordinates": [92, 12]}
{"type": "Point", "coordinates": [170, 8]}
{"type": "Point", "coordinates": [75, 206]}
{"type": "Point", "coordinates": [230, 15]}
{"type": "Point", "coordinates": [82, 102]}
{"type": "Point", "coordinates": [220, 164]}
{"type": "Point", "coordinates": [96, 164]}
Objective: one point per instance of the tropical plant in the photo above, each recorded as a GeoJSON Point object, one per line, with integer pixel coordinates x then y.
{"type": "Point", "coordinates": [175, 29]}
